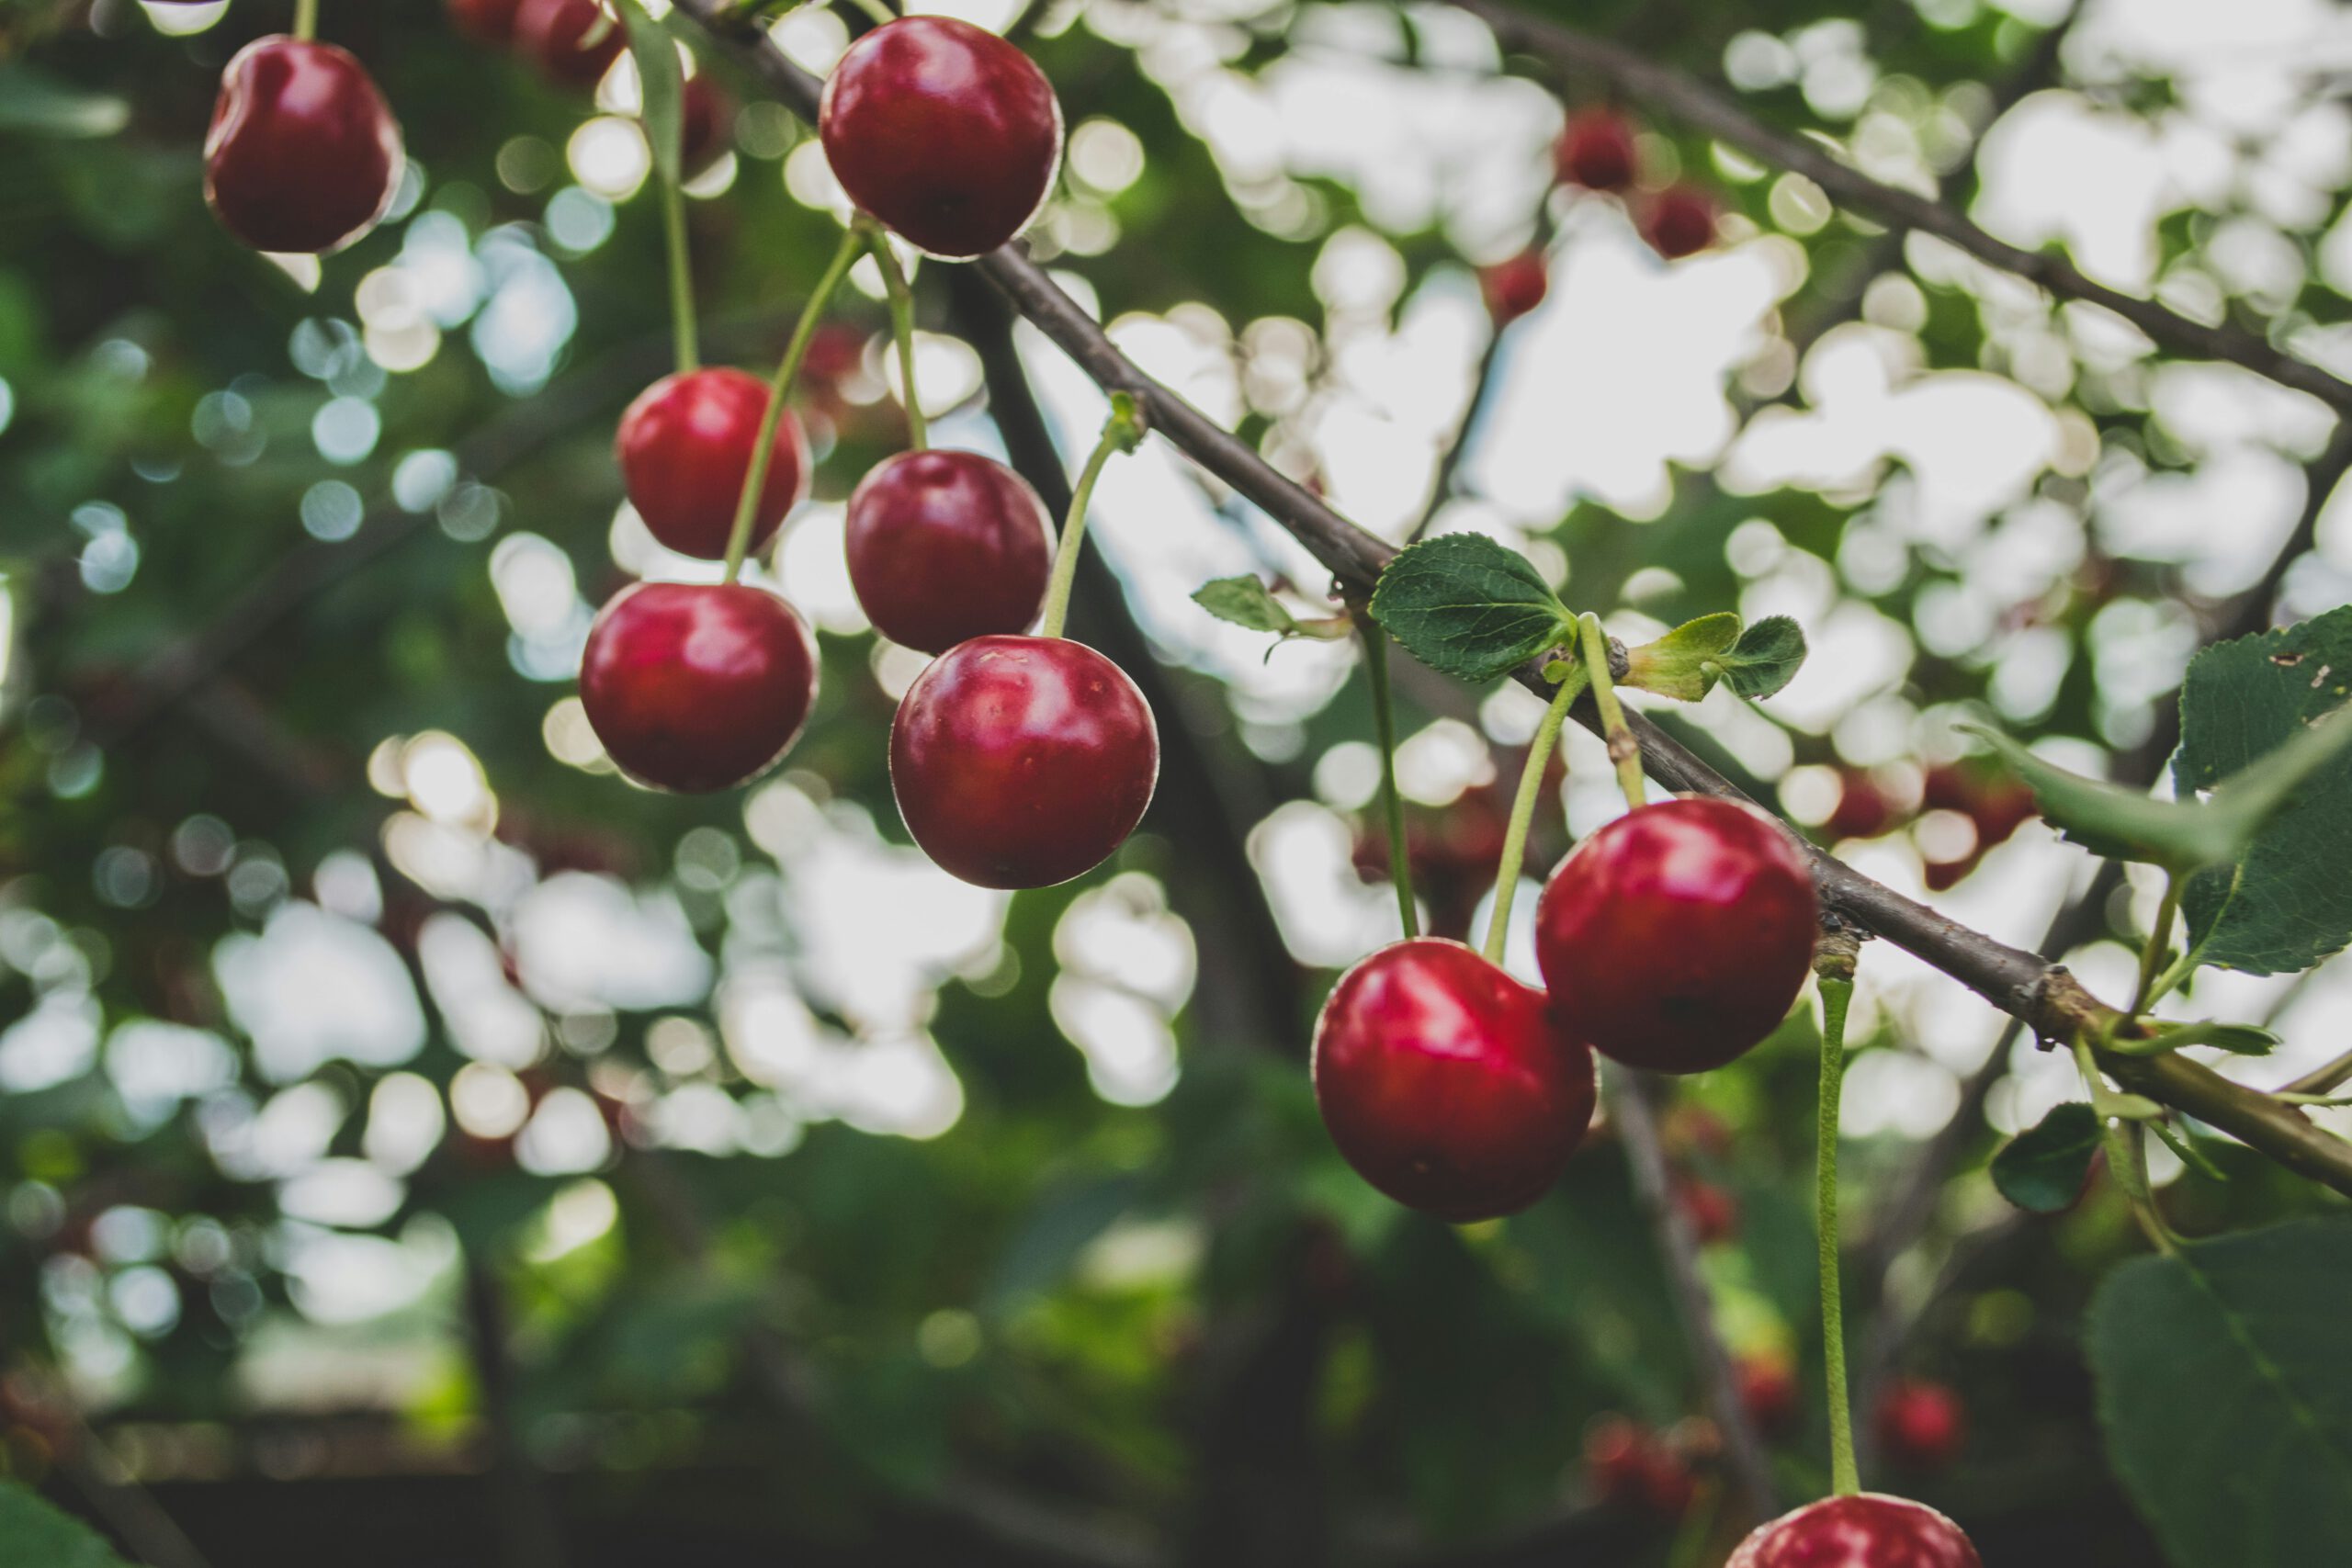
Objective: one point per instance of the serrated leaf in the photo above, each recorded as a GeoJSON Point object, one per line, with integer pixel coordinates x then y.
{"type": "Point", "coordinates": [2042, 1168]}
{"type": "Point", "coordinates": [2286, 903]}
{"type": "Point", "coordinates": [34, 1533]}
{"type": "Point", "coordinates": [2227, 1399]}
{"type": "Point", "coordinates": [1465, 606]}
{"type": "Point", "coordinates": [1686, 662]}
{"type": "Point", "coordinates": [661, 87]}
{"type": "Point", "coordinates": [1765, 658]}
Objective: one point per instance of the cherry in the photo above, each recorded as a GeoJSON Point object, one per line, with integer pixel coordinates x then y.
{"type": "Point", "coordinates": [1712, 1213]}
{"type": "Point", "coordinates": [1022, 761]}
{"type": "Point", "coordinates": [1513, 288]}
{"type": "Point", "coordinates": [943, 130]}
{"type": "Point", "coordinates": [684, 448]}
{"type": "Point", "coordinates": [1767, 1390]}
{"type": "Point", "coordinates": [698, 686]}
{"type": "Point", "coordinates": [1595, 151]}
{"type": "Point", "coordinates": [1680, 221]}
{"type": "Point", "coordinates": [1679, 935]}
{"type": "Point", "coordinates": [1632, 1466]}
{"type": "Point", "coordinates": [304, 154]}
{"type": "Point", "coordinates": [1870, 1530]}
{"type": "Point", "coordinates": [1863, 810]}
{"type": "Point", "coordinates": [484, 21]}
{"type": "Point", "coordinates": [945, 547]}
{"type": "Point", "coordinates": [573, 42]}
{"type": "Point", "coordinates": [1921, 1424]}
{"type": "Point", "coordinates": [1447, 1084]}
{"type": "Point", "coordinates": [708, 125]}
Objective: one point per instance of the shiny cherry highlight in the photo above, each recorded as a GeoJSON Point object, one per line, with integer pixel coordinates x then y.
{"type": "Point", "coordinates": [945, 547]}
{"type": "Point", "coordinates": [684, 448]}
{"type": "Point", "coordinates": [303, 155]}
{"type": "Point", "coordinates": [1870, 1530]}
{"type": "Point", "coordinates": [698, 686]}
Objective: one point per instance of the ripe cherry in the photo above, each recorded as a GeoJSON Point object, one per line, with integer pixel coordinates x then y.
{"type": "Point", "coordinates": [696, 686]}
{"type": "Point", "coordinates": [1679, 935]}
{"type": "Point", "coordinates": [943, 130]}
{"type": "Point", "coordinates": [1447, 1084]}
{"type": "Point", "coordinates": [574, 42]}
{"type": "Point", "coordinates": [1633, 1467]}
{"type": "Point", "coordinates": [484, 21]}
{"type": "Point", "coordinates": [1680, 221]}
{"type": "Point", "coordinates": [1021, 761]}
{"type": "Point", "coordinates": [945, 547]}
{"type": "Point", "coordinates": [1870, 1530]}
{"type": "Point", "coordinates": [684, 448]}
{"type": "Point", "coordinates": [1921, 1424]}
{"type": "Point", "coordinates": [1514, 287]}
{"type": "Point", "coordinates": [1713, 1213]}
{"type": "Point", "coordinates": [1863, 810]}
{"type": "Point", "coordinates": [1767, 1390]}
{"type": "Point", "coordinates": [708, 124]}
{"type": "Point", "coordinates": [1596, 151]}
{"type": "Point", "coordinates": [304, 154]}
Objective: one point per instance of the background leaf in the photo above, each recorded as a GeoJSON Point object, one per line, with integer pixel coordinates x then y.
{"type": "Point", "coordinates": [662, 85]}
{"type": "Point", "coordinates": [1466, 606]}
{"type": "Point", "coordinates": [1765, 658]}
{"type": "Point", "coordinates": [2042, 1168]}
{"type": "Point", "coordinates": [2113, 821]}
{"type": "Point", "coordinates": [33, 1533]}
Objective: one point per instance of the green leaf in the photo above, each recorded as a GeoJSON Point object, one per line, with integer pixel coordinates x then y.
{"type": "Point", "coordinates": [36, 1533]}
{"type": "Point", "coordinates": [1246, 602]}
{"type": "Point", "coordinates": [2186, 1147]}
{"type": "Point", "coordinates": [1686, 662]}
{"type": "Point", "coordinates": [662, 86]}
{"type": "Point", "coordinates": [2286, 903]}
{"type": "Point", "coordinates": [1465, 606]}
{"type": "Point", "coordinates": [2239, 1039]}
{"type": "Point", "coordinates": [2042, 1168]}
{"type": "Point", "coordinates": [34, 103]}
{"type": "Point", "coordinates": [2113, 821]}
{"type": "Point", "coordinates": [2226, 1398]}
{"type": "Point", "coordinates": [1765, 658]}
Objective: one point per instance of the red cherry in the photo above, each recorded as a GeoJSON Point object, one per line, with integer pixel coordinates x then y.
{"type": "Point", "coordinates": [304, 154]}
{"type": "Point", "coordinates": [1871, 1530]}
{"type": "Point", "coordinates": [1679, 935]}
{"type": "Point", "coordinates": [1022, 761]}
{"type": "Point", "coordinates": [696, 687]}
{"type": "Point", "coordinates": [708, 125]}
{"type": "Point", "coordinates": [1943, 875]}
{"type": "Point", "coordinates": [574, 42]}
{"type": "Point", "coordinates": [684, 448]}
{"type": "Point", "coordinates": [1863, 810]}
{"type": "Point", "coordinates": [1632, 1466]}
{"type": "Point", "coordinates": [1596, 151]}
{"type": "Point", "coordinates": [1767, 1390]}
{"type": "Point", "coordinates": [1921, 1424]}
{"type": "Point", "coordinates": [1713, 1213]}
{"type": "Point", "coordinates": [484, 21]}
{"type": "Point", "coordinates": [943, 132]}
{"type": "Point", "coordinates": [1513, 288]}
{"type": "Point", "coordinates": [1447, 1084]}
{"type": "Point", "coordinates": [1680, 221]}
{"type": "Point", "coordinates": [945, 547]}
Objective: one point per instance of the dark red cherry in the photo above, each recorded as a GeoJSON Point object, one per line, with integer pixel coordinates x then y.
{"type": "Point", "coordinates": [1680, 221]}
{"type": "Point", "coordinates": [1863, 810]}
{"type": "Point", "coordinates": [1447, 1084]}
{"type": "Point", "coordinates": [574, 42]}
{"type": "Point", "coordinates": [1021, 761]}
{"type": "Point", "coordinates": [304, 154]}
{"type": "Point", "coordinates": [943, 130]}
{"type": "Point", "coordinates": [1595, 151]}
{"type": "Point", "coordinates": [1767, 1390]}
{"type": "Point", "coordinates": [1920, 1425]}
{"type": "Point", "coordinates": [484, 21]}
{"type": "Point", "coordinates": [945, 547]}
{"type": "Point", "coordinates": [1713, 1213]}
{"type": "Point", "coordinates": [1677, 936]}
{"type": "Point", "coordinates": [1870, 1530]}
{"type": "Point", "coordinates": [684, 448]}
{"type": "Point", "coordinates": [1513, 288]}
{"type": "Point", "coordinates": [698, 686]}
{"type": "Point", "coordinates": [708, 125]}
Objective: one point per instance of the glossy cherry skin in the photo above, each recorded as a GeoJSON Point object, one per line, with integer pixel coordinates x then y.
{"type": "Point", "coordinates": [1447, 1084]}
{"type": "Point", "coordinates": [943, 130]}
{"type": "Point", "coordinates": [1921, 1424]}
{"type": "Point", "coordinates": [304, 154]}
{"type": "Point", "coordinates": [1596, 151]}
{"type": "Point", "coordinates": [555, 35]}
{"type": "Point", "coordinates": [708, 124]}
{"type": "Point", "coordinates": [684, 449]}
{"type": "Point", "coordinates": [1870, 1530]}
{"type": "Point", "coordinates": [945, 547]}
{"type": "Point", "coordinates": [1022, 761]}
{"type": "Point", "coordinates": [1680, 221]}
{"type": "Point", "coordinates": [698, 686]}
{"type": "Point", "coordinates": [1514, 287]}
{"type": "Point", "coordinates": [484, 21]}
{"type": "Point", "coordinates": [1677, 936]}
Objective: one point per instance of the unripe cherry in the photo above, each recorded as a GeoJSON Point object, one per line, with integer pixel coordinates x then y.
{"type": "Point", "coordinates": [303, 155]}
{"type": "Point", "coordinates": [944, 547]}
{"type": "Point", "coordinates": [1869, 1530]}
{"type": "Point", "coordinates": [698, 686]}
{"type": "Point", "coordinates": [684, 448]}
{"type": "Point", "coordinates": [1596, 151]}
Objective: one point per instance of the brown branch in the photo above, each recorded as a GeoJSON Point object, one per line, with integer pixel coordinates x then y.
{"type": "Point", "coordinates": [1708, 108]}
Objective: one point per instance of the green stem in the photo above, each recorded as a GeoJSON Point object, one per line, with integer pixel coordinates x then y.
{"type": "Point", "coordinates": [2153, 953]}
{"type": "Point", "coordinates": [306, 19]}
{"type": "Point", "coordinates": [1625, 752]}
{"type": "Point", "coordinates": [780, 391]}
{"type": "Point", "coordinates": [883, 15]}
{"type": "Point", "coordinates": [1522, 809]}
{"type": "Point", "coordinates": [903, 329]}
{"type": "Point", "coordinates": [1384, 720]}
{"type": "Point", "coordinates": [682, 283]}
{"type": "Point", "coordinates": [1837, 995]}
{"type": "Point", "coordinates": [1121, 433]}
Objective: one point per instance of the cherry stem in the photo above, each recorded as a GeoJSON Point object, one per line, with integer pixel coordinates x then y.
{"type": "Point", "coordinates": [2153, 955]}
{"type": "Point", "coordinates": [1837, 995]}
{"type": "Point", "coordinates": [682, 283]}
{"type": "Point", "coordinates": [1123, 432]}
{"type": "Point", "coordinates": [1625, 751]}
{"type": "Point", "coordinates": [1384, 720]}
{"type": "Point", "coordinates": [1522, 809]}
{"type": "Point", "coordinates": [306, 19]}
{"type": "Point", "coordinates": [903, 329]}
{"type": "Point", "coordinates": [739, 538]}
